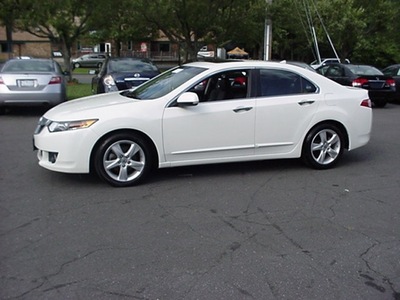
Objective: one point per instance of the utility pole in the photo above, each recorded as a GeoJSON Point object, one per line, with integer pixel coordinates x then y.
{"type": "Point", "coordinates": [268, 36]}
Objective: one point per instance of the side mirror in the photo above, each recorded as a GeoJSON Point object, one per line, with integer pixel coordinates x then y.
{"type": "Point", "coordinates": [188, 99]}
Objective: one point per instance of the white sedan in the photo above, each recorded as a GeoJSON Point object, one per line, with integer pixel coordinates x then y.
{"type": "Point", "coordinates": [203, 113]}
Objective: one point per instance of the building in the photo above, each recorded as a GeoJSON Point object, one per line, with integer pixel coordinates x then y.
{"type": "Point", "coordinates": [160, 50]}
{"type": "Point", "coordinates": [24, 44]}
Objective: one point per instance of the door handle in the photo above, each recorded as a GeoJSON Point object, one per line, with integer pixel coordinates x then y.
{"type": "Point", "coordinates": [242, 108]}
{"type": "Point", "coordinates": [304, 102]}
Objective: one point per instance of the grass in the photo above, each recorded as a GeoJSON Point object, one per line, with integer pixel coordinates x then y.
{"type": "Point", "coordinates": [82, 70]}
{"type": "Point", "coordinates": [78, 90]}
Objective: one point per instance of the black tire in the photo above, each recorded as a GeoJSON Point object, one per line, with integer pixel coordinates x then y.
{"type": "Point", "coordinates": [76, 65]}
{"type": "Point", "coordinates": [323, 146]}
{"type": "Point", "coordinates": [99, 65]}
{"type": "Point", "coordinates": [123, 159]}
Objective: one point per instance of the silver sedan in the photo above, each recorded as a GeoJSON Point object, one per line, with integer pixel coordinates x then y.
{"type": "Point", "coordinates": [32, 82]}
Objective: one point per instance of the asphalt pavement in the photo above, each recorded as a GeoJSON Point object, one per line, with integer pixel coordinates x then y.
{"type": "Point", "coordinates": [260, 230]}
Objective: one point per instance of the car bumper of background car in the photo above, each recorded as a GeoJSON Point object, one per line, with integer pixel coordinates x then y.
{"type": "Point", "coordinates": [31, 98]}
{"type": "Point", "coordinates": [67, 152]}
{"type": "Point", "coordinates": [381, 95]}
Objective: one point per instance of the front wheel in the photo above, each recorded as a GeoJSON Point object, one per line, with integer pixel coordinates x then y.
{"type": "Point", "coordinates": [123, 160]}
{"type": "Point", "coordinates": [323, 146]}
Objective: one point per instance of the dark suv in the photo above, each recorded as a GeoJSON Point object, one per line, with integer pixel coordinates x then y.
{"type": "Point", "coordinates": [92, 60]}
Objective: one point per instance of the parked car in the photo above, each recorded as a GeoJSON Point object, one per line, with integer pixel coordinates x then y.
{"type": "Point", "coordinates": [326, 61]}
{"type": "Point", "coordinates": [381, 88]}
{"type": "Point", "coordinates": [394, 71]}
{"type": "Point", "coordinates": [92, 60]}
{"type": "Point", "coordinates": [123, 73]}
{"type": "Point", "coordinates": [202, 113]}
{"type": "Point", "coordinates": [31, 82]}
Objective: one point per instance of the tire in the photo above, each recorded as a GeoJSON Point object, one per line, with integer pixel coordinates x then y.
{"type": "Point", "coordinates": [76, 65]}
{"type": "Point", "coordinates": [323, 146]}
{"type": "Point", "coordinates": [123, 159]}
{"type": "Point", "coordinates": [99, 65]}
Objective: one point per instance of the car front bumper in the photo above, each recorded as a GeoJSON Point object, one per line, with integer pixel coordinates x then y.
{"type": "Point", "coordinates": [67, 152]}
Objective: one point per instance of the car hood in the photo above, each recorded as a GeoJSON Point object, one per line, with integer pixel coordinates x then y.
{"type": "Point", "coordinates": [87, 106]}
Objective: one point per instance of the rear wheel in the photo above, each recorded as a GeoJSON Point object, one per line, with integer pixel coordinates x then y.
{"type": "Point", "coordinates": [123, 159]}
{"type": "Point", "coordinates": [76, 65]}
{"type": "Point", "coordinates": [323, 146]}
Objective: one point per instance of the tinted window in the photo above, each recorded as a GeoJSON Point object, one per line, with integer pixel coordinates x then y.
{"type": "Point", "coordinates": [335, 71]}
{"type": "Point", "coordinates": [364, 70]}
{"type": "Point", "coordinates": [223, 86]}
{"type": "Point", "coordinates": [394, 71]}
{"type": "Point", "coordinates": [28, 65]}
{"type": "Point", "coordinates": [130, 65]}
{"type": "Point", "coordinates": [280, 82]}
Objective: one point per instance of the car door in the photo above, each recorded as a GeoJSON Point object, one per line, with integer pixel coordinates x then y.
{"type": "Point", "coordinates": [219, 128]}
{"type": "Point", "coordinates": [285, 105]}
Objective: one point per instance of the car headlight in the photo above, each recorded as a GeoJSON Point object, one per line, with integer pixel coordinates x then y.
{"type": "Point", "coordinates": [109, 84]}
{"type": "Point", "coordinates": [70, 125]}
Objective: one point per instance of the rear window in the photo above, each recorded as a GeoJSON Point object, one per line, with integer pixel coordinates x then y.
{"type": "Point", "coordinates": [28, 66]}
{"type": "Point", "coordinates": [365, 70]}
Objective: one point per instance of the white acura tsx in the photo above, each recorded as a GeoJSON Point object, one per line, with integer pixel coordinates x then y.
{"type": "Point", "coordinates": [203, 113]}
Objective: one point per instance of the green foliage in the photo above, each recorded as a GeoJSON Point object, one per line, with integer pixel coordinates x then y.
{"type": "Point", "coordinates": [364, 31]}
{"type": "Point", "coordinates": [192, 23]}
{"type": "Point", "coordinates": [78, 90]}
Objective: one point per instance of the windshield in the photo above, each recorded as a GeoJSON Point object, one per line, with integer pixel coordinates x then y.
{"type": "Point", "coordinates": [163, 84]}
{"type": "Point", "coordinates": [130, 65]}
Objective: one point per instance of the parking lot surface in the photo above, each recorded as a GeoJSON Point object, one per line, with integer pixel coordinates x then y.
{"type": "Point", "coordinates": [261, 230]}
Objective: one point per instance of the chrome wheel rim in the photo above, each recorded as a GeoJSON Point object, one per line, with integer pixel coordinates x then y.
{"type": "Point", "coordinates": [325, 146]}
{"type": "Point", "coordinates": [124, 161]}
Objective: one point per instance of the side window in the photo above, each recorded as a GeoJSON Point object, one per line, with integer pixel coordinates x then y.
{"type": "Point", "coordinates": [281, 82]}
{"type": "Point", "coordinates": [323, 70]}
{"type": "Point", "coordinates": [334, 71]}
{"type": "Point", "coordinates": [223, 86]}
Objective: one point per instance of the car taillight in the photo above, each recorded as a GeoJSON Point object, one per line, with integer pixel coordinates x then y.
{"type": "Point", "coordinates": [366, 103]}
{"type": "Point", "coordinates": [55, 80]}
{"type": "Point", "coordinates": [359, 82]}
{"type": "Point", "coordinates": [391, 82]}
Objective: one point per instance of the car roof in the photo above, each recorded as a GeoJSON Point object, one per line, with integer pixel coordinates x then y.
{"type": "Point", "coordinates": [241, 64]}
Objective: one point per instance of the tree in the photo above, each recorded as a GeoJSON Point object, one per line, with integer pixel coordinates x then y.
{"type": "Point", "coordinates": [119, 21]}
{"type": "Point", "coordinates": [192, 23]}
{"type": "Point", "coordinates": [63, 22]}
{"type": "Point", "coordinates": [9, 11]}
